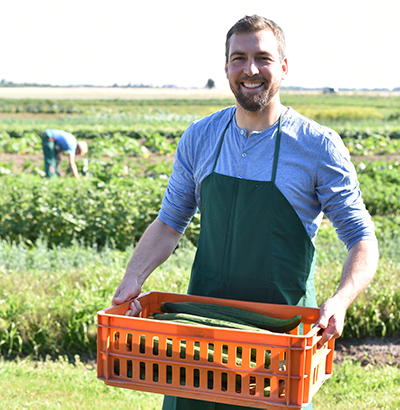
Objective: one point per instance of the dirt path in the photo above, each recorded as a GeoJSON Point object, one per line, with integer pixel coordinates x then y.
{"type": "Point", "coordinates": [369, 350]}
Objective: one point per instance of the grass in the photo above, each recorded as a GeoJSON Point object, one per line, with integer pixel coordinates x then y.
{"type": "Point", "coordinates": [50, 384]}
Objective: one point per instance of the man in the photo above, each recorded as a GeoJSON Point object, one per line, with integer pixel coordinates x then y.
{"type": "Point", "coordinates": [262, 176]}
{"type": "Point", "coordinates": [54, 142]}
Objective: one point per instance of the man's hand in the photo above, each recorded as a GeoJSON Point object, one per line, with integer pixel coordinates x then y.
{"type": "Point", "coordinates": [154, 247]}
{"type": "Point", "coordinates": [331, 320]}
{"type": "Point", "coordinates": [127, 290]}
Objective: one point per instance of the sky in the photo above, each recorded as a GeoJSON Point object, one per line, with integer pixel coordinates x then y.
{"type": "Point", "coordinates": [341, 43]}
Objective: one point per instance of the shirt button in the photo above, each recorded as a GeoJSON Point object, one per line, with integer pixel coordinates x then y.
{"type": "Point", "coordinates": [242, 132]}
{"type": "Point", "coordinates": [244, 155]}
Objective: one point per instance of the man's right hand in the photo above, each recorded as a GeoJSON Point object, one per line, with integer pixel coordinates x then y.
{"type": "Point", "coordinates": [128, 289]}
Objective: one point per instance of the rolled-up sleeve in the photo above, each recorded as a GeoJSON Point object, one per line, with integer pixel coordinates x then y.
{"type": "Point", "coordinates": [340, 196]}
{"type": "Point", "coordinates": [179, 202]}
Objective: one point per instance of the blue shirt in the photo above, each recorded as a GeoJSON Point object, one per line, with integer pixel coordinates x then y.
{"type": "Point", "coordinates": [64, 140]}
{"type": "Point", "coordinates": [314, 172]}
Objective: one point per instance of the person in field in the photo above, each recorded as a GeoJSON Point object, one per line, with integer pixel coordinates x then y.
{"type": "Point", "coordinates": [262, 176]}
{"type": "Point", "coordinates": [54, 142]}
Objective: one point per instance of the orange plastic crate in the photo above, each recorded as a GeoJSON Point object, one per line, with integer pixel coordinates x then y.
{"type": "Point", "coordinates": [230, 366]}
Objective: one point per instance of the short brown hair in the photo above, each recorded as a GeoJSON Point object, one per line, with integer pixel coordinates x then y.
{"type": "Point", "coordinates": [253, 23]}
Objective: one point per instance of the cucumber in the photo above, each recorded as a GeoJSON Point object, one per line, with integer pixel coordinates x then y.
{"type": "Point", "coordinates": [249, 318]}
{"type": "Point", "coordinates": [206, 321]}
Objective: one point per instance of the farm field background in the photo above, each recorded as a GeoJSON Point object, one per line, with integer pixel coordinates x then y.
{"type": "Point", "coordinates": [61, 260]}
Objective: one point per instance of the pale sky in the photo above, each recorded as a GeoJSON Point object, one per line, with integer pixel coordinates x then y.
{"type": "Point", "coordinates": [341, 43]}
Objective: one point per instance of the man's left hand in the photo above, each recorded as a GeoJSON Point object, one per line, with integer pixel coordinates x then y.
{"type": "Point", "coordinates": [331, 320]}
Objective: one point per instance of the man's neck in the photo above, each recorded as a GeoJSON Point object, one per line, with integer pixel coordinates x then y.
{"type": "Point", "coordinates": [259, 120]}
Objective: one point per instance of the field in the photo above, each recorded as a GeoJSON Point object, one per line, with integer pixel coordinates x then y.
{"type": "Point", "coordinates": [61, 261]}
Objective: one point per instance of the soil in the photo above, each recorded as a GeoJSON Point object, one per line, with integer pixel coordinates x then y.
{"type": "Point", "coordinates": [374, 351]}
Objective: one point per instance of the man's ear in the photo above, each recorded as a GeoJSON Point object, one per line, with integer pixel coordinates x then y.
{"type": "Point", "coordinates": [285, 68]}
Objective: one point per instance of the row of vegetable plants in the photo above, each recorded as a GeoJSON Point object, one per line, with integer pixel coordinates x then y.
{"type": "Point", "coordinates": [136, 142]}
{"type": "Point", "coordinates": [98, 210]}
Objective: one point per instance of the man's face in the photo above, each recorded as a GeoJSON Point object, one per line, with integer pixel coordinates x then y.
{"type": "Point", "coordinates": [254, 70]}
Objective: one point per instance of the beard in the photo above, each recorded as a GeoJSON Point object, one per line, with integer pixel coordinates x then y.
{"type": "Point", "coordinates": [256, 102]}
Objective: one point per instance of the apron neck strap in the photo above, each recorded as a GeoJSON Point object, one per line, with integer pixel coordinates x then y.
{"type": "Point", "coordinates": [277, 146]}
{"type": "Point", "coordinates": [221, 141]}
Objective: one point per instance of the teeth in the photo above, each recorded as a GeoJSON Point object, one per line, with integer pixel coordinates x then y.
{"type": "Point", "coordinates": [252, 85]}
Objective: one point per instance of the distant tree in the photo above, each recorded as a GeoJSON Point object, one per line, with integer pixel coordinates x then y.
{"type": "Point", "coordinates": [210, 84]}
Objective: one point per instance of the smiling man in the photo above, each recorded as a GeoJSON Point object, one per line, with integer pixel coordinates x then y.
{"type": "Point", "coordinates": [262, 176]}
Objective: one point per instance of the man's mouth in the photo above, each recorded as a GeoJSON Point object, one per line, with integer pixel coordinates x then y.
{"type": "Point", "coordinates": [252, 85]}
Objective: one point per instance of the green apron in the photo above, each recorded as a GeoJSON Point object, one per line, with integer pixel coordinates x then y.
{"type": "Point", "coordinates": [50, 157]}
{"type": "Point", "coordinates": [252, 246]}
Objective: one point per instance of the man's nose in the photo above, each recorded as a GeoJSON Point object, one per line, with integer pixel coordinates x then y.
{"type": "Point", "coordinates": [251, 68]}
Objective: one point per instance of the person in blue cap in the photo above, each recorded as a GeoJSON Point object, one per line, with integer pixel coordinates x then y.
{"type": "Point", "coordinates": [54, 143]}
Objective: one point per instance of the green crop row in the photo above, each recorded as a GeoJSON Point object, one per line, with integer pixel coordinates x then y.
{"type": "Point", "coordinates": [116, 207]}
{"type": "Point", "coordinates": [91, 211]}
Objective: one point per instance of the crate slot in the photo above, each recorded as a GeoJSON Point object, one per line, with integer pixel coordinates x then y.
{"type": "Point", "coordinates": [142, 368]}
{"type": "Point", "coordinates": [267, 387]}
{"type": "Point", "coordinates": [129, 342]}
{"type": "Point", "coordinates": [182, 374]}
{"type": "Point", "coordinates": [210, 351]}
{"type": "Point", "coordinates": [116, 340]}
{"type": "Point", "coordinates": [196, 351]}
{"type": "Point", "coordinates": [116, 367]}
{"type": "Point", "coordinates": [142, 344]}
{"type": "Point", "coordinates": [282, 389]}
{"type": "Point", "coordinates": [156, 342]}
{"type": "Point", "coordinates": [155, 372]}
{"type": "Point", "coordinates": [129, 371]}
{"type": "Point", "coordinates": [238, 356]}
{"type": "Point", "coordinates": [210, 380]}
{"type": "Point", "coordinates": [238, 383]}
{"type": "Point", "coordinates": [196, 378]}
{"type": "Point", "coordinates": [224, 358]}
{"type": "Point", "coordinates": [182, 351]}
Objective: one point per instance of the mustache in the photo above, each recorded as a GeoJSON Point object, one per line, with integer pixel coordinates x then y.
{"type": "Point", "coordinates": [252, 79]}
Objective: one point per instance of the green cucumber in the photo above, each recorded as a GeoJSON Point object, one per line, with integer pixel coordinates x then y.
{"type": "Point", "coordinates": [249, 318]}
{"type": "Point", "coordinates": [206, 321]}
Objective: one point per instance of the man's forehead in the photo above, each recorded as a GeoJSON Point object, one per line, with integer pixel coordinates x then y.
{"type": "Point", "coordinates": [263, 39]}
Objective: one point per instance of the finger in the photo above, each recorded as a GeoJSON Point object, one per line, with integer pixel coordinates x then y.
{"type": "Point", "coordinates": [138, 306]}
